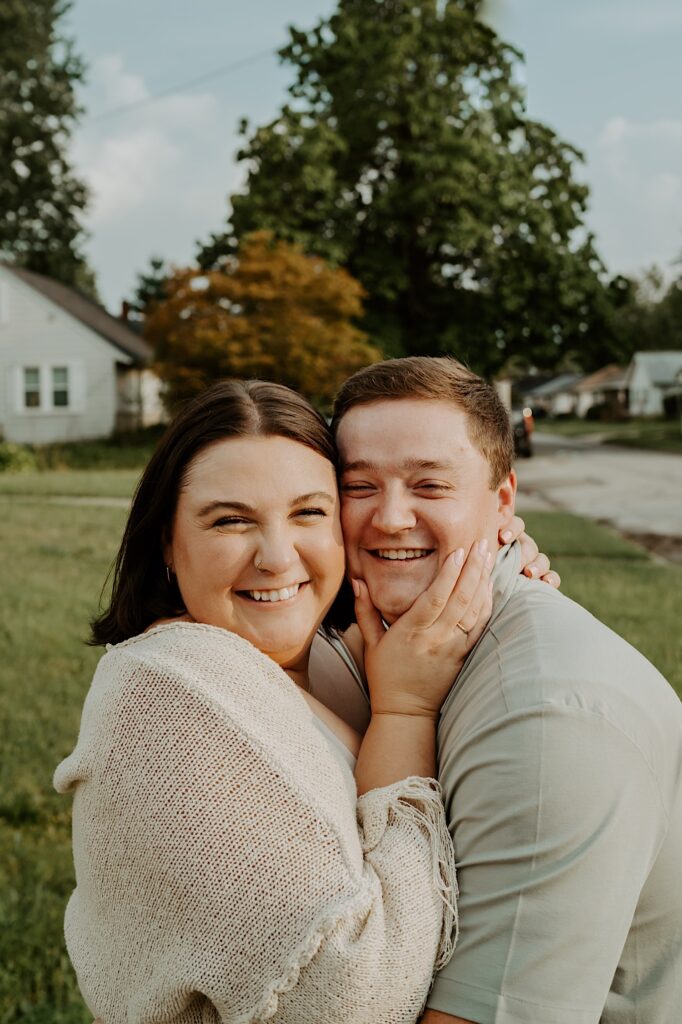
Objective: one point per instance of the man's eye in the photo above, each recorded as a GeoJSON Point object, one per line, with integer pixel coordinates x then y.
{"type": "Point", "coordinates": [353, 488]}
{"type": "Point", "coordinates": [431, 485]}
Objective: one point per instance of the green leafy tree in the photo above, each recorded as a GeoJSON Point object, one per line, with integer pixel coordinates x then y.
{"type": "Point", "coordinates": [666, 320]}
{"type": "Point", "coordinates": [269, 311]}
{"type": "Point", "coordinates": [405, 154]}
{"type": "Point", "coordinates": [151, 286]}
{"type": "Point", "coordinates": [41, 199]}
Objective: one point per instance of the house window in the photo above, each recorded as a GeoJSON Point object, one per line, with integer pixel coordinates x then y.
{"type": "Point", "coordinates": [60, 386]}
{"type": "Point", "coordinates": [32, 387]}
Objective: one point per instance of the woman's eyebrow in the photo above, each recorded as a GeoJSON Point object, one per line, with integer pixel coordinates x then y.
{"type": "Point", "coordinates": [314, 496]}
{"type": "Point", "coordinates": [213, 506]}
{"type": "Point", "coordinates": [241, 506]}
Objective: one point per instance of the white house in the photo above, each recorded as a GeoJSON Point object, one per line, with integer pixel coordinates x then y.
{"type": "Point", "coordinates": [68, 370]}
{"type": "Point", "coordinates": [651, 377]}
{"type": "Point", "coordinates": [556, 397]}
{"type": "Point", "coordinates": [606, 386]}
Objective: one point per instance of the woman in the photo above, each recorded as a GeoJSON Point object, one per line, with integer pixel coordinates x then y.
{"type": "Point", "coordinates": [222, 873]}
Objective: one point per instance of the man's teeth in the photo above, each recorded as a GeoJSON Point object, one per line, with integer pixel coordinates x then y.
{"type": "Point", "coordinates": [275, 595]}
{"type": "Point", "coordinates": [402, 553]}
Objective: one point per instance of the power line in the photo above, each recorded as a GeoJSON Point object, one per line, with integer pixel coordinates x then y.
{"type": "Point", "coordinates": [234, 66]}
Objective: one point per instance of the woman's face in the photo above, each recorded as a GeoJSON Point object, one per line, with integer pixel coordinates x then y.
{"type": "Point", "coordinates": [256, 542]}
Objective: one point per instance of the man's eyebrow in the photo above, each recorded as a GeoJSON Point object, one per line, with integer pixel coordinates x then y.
{"type": "Point", "coordinates": [410, 465]}
{"type": "Point", "coordinates": [241, 506]}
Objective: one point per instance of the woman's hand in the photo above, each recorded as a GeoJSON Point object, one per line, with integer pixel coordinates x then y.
{"type": "Point", "coordinates": [534, 564]}
{"type": "Point", "coordinates": [412, 665]}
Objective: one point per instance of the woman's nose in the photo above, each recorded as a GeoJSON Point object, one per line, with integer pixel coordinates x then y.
{"type": "Point", "coordinates": [275, 553]}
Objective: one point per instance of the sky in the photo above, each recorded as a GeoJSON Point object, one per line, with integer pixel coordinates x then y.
{"type": "Point", "coordinates": [604, 74]}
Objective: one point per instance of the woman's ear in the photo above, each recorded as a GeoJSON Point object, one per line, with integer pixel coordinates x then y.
{"type": "Point", "coordinates": [506, 499]}
{"type": "Point", "coordinates": [167, 546]}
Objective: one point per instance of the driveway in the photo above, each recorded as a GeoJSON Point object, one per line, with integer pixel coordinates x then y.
{"type": "Point", "coordinates": [638, 491]}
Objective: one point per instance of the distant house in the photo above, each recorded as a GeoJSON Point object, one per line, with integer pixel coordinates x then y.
{"type": "Point", "coordinates": [606, 387]}
{"type": "Point", "coordinates": [555, 397]}
{"type": "Point", "coordinates": [651, 377]}
{"type": "Point", "coordinates": [68, 370]}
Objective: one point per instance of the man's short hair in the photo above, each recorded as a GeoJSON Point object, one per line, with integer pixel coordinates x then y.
{"type": "Point", "coordinates": [444, 379]}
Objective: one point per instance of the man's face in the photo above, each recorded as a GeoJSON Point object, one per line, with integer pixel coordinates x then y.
{"type": "Point", "coordinates": [413, 489]}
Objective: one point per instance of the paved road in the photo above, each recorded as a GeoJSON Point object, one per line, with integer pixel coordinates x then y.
{"type": "Point", "coordinates": [637, 491]}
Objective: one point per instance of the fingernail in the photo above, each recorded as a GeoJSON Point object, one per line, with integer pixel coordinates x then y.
{"type": "Point", "coordinates": [506, 536]}
{"type": "Point", "coordinates": [532, 570]}
{"type": "Point", "coordinates": [459, 556]}
{"type": "Point", "coordinates": [483, 546]}
{"type": "Point", "coordinates": [356, 587]}
{"type": "Point", "coordinates": [488, 559]}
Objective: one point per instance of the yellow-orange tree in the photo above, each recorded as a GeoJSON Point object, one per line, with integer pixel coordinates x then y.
{"type": "Point", "coordinates": [270, 312]}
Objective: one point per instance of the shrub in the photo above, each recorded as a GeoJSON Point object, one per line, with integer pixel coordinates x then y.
{"type": "Point", "coordinates": [14, 458]}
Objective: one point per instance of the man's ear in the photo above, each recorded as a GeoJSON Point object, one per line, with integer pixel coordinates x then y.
{"type": "Point", "coordinates": [506, 499]}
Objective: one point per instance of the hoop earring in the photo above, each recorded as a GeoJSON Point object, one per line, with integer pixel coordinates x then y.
{"type": "Point", "coordinates": [168, 575]}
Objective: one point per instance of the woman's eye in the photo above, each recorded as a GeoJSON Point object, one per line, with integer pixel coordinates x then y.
{"type": "Point", "coordinates": [231, 521]}
{"type": "Point", "coordinates": [311, 513]}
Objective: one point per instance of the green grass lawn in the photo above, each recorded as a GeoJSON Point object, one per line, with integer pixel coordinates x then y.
{"type": "Point", "coordinates": [656, 434]}
{"type": "Point", "coordinates": [109, 483]}
{"type": "Point", "coordinates": [53, 560]}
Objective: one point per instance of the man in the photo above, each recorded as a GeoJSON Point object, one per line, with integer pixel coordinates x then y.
{"type": "Point", "coordinates": [559, 746]}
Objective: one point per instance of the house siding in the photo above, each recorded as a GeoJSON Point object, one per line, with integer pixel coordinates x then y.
{"type": "Point", "coordinates": [645, 398]}
{"type": "Point", "coordinates": [36, 332]}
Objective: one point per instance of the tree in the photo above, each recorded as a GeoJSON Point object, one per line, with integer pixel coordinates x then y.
{"type": "Point", "coordinates": [41, 199]}
{"type": "Point", "coordinates": [150, 288]}
{"type": "Point", "coordinates": [269, 311]}
{"type": "Point", "coordinates": [405, 154]}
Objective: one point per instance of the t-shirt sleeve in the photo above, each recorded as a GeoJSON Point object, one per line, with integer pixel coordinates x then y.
{"type": "Point", "coordinates": [556, 819]}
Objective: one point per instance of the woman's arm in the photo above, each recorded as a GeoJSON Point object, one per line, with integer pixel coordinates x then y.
{"type": "Point", "coordinates": [412, 665]}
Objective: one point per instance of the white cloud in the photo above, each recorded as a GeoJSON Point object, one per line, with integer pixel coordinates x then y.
{"type": "Point", "coordinates": [112, 85]}
{"type": "Point", "coordinates": [123, 171]}
{"type": "Point", "coordinates": [636, 173]}
{"type": "Point", "coordinates": [158, 174]}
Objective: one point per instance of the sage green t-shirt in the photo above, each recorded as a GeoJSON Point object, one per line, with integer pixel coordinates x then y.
{"type": "Point", "coordinates": [560, 751]}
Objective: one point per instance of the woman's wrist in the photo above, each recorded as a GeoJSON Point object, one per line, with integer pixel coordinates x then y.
{"type": "Point", "coordinates": [429, 715]}
{"type": "Point", "coordinates": [396, 746]}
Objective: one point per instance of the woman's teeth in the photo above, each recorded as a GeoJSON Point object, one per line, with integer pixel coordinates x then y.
{"type": "Point", "coordinates": [402, 553]}
{"type": "Point", "coordinates": [274, 595]}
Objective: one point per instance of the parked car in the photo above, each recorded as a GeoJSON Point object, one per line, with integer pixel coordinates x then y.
{"type": "Point", "coordinates": [523, 426]}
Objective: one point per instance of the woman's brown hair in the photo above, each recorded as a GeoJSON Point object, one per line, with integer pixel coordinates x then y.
{"type": "Point", "coordinates": [141, 590]}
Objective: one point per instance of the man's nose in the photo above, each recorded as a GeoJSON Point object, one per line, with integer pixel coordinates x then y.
{"type": "Point", "coordinates": [393, 513]}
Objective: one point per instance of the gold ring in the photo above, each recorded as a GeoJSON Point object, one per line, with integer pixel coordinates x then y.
{"type": "Point", "coordinates": [460, 626]}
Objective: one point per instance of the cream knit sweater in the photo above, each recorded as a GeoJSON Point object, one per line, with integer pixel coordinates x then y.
{"type": "Point", "coordinates": [225, 870]}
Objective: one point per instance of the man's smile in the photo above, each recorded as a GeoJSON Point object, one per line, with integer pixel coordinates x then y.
{"type": "Point", "coordinates": [400, 554]}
